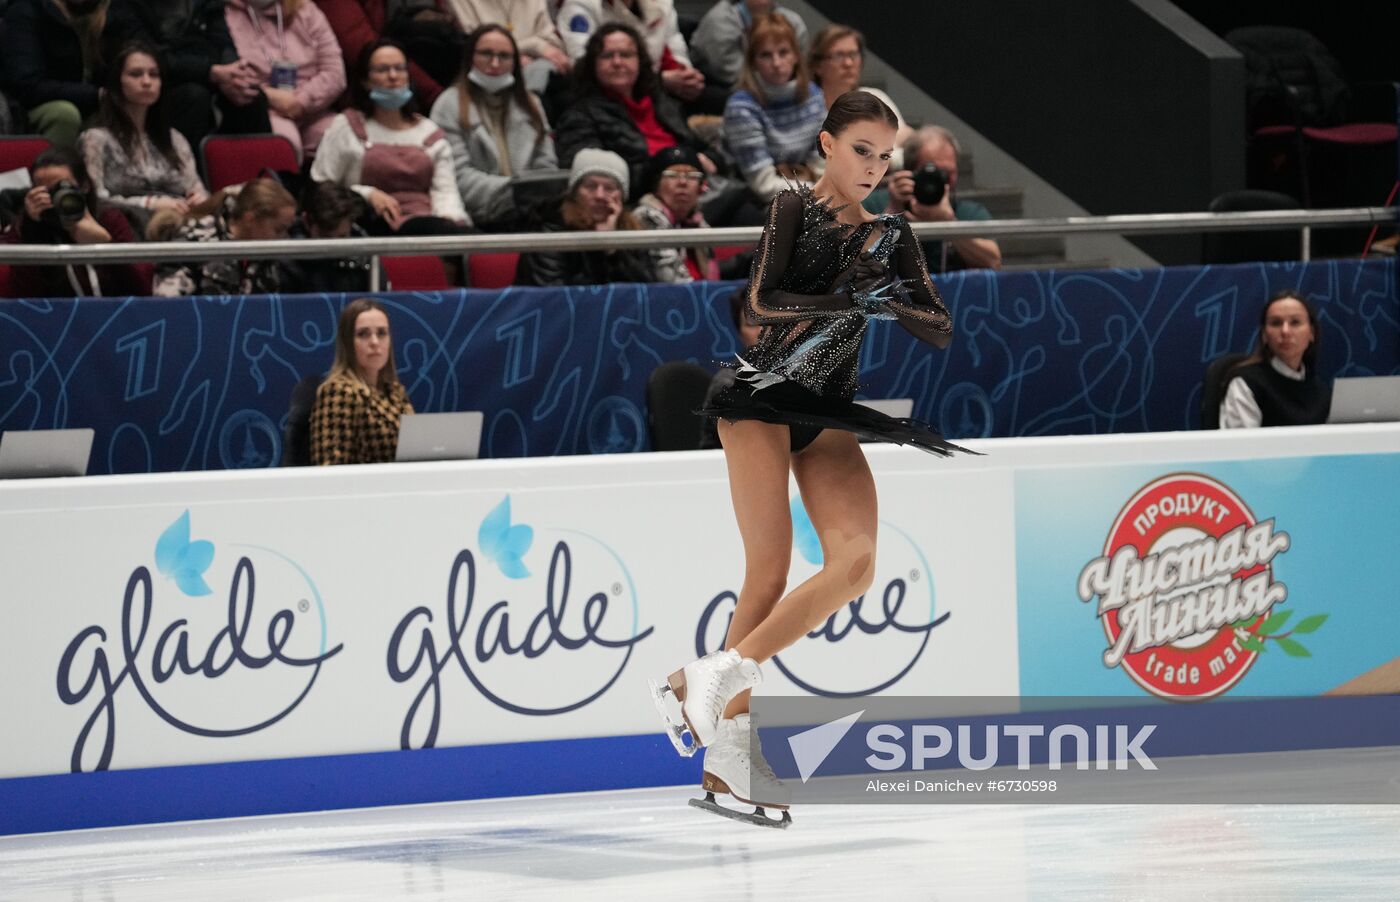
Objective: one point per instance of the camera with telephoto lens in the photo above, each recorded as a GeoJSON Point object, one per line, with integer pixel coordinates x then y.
{"type": "Point", "coordinates": [930, 184]}
{"type": "Point", "coordinates": [69, 202]}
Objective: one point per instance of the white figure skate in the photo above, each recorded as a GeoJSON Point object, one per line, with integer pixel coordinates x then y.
{"type": "Point", "coordinates": [702, 688]}
{"type": "Point", "coordinates": [734, 764]}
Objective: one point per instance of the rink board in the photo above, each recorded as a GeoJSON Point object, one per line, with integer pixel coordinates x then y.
{"type": "Point", "coordinates": [210, 644]}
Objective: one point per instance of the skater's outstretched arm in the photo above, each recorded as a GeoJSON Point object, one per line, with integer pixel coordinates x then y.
{"type": "Point", "coordinates": [765, 303]}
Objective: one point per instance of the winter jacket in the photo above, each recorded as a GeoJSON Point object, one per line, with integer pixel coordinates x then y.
{"type": "Point", "coordinates": [307, 40]}
{"type": "Point", "coordinates": [486, 193]}
{"type": "Point", "coordinates": [357, 23]}
{"type": "Point", "coordinates": [43, 59]}
{"type": "Point", "coordinates": [670, 262]}
{"type": "Point", "coordinates": [596, 120]}
{"type": "Point", "coordinates": [580, 267]}
{"type": "Point", "coordinates": [189, 47]}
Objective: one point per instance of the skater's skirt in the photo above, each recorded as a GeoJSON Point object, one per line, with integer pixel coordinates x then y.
{"type": "Point", "coordinates": [807, 414]}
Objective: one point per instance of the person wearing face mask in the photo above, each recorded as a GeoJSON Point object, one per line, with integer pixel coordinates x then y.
{"type": "Point", "coordinates": [722, 37]}
{"type": "Point", "coordinates": [594, 202]}
{"type": "Point", "coordinates": [496, 128]}
{"type": "Point", "coordinates": [677, 180]}
{"type": "Point", "coordinates": [772, 121]}
{"type": "Point", "coordinates": [51, 60]}
{"type": "Point", "coordinates": [293, 55]}
{"type": "Point", "coordinates": [395, 158]}
{"type": "Point", "coordinates": [260, 210]}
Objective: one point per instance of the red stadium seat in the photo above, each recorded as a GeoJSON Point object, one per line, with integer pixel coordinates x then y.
{"type": "Point", "coordinates": [19, 151]}
{"type": "Point", "coordinates": [492, 270]}
{"type": "Point", "coordinates": [731, 250]}
{"type": "Point", "coordinates": [414, 273]}
{"type": "Point", "coordinates": [235, 159]}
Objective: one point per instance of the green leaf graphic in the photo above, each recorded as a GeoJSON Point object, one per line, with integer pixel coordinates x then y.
{"type": "Point", "coordinates": [1309, 624]}
{"type": "Point", "coordinates": [1275, 622]}
{"type": "Point", "coordinates": [1294, 649]}
{"type": "Point", "coordinates": [1252, 644]}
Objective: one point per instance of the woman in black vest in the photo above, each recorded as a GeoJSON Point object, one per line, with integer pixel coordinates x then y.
{"type": "Point", "coordinates": [1278, 385]}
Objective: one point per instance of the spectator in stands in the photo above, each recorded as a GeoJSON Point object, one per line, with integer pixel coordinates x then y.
{"type": "Point", "coordinates": [676, 180]}
{"type": "Point", "coordinates": [52, 56]}
{"type": "Point", "coordinates": [387, 152]}
{"type": "Point", "coordinates": [136, 160]}
{"type": "Point", "coordinates": [528, 23]}
{"type": "Point", "coordinates": [722, 38]}
{"type": "Point", "coordinates": [1278, 385]}
{"type": "Point", "coordinates": [666, 53]}
{"type": "Point", "coordinates": [260, 210]}
{"type": "Point", "coordinates": [293, 54]}
{"type": "Point", "coordinates": [360, 403]}
{"type": "Point", "coordinates": [496, 128]}
{"type": "Point", "coordinates": [619, 105]}
{"type": "Point", "coordinates": [837, 61]}
{"type": "Point", "coordinates": [358, 24]}
{"type": "Point", "coordinates": [202, 67]}
{"type": "Point", "coordinates": [595, 201]}
{"type": "Point", "coordinates": [772, 121]}
{"type": "Point", "coordinates": [328, 210]}
{"type": "Point", "coordinates": [936, 146]}
{"type": "Point", "coordinates": [56, 171]}
{"type": "Point", "coordinates": [429, 35]}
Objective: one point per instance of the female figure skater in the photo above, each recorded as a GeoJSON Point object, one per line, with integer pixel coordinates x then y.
{"type": "Point", "coordinates": [824, 268]}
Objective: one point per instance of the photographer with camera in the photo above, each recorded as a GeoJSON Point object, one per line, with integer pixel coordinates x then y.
{"type": "Point", "coordinates": [61, 209]}
{"type": "Point", "coordinates": [927, 192]}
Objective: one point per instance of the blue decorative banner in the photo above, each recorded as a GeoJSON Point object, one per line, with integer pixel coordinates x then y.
{"type": "Point", "coordinates": [204, 383]}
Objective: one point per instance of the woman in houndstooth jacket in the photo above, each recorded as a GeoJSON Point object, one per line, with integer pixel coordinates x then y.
{"type": "Point", "coordinates": [359, 405]}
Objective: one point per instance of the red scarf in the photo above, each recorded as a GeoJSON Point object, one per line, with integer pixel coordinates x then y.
{"type": "Point", "coordinates": [643, 114]}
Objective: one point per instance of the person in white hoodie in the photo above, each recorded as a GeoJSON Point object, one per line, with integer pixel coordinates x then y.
{"type": "Point", "coordinates": [496, 128]}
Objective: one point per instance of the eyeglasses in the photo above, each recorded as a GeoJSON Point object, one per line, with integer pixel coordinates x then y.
{"type": "Point", "coordinates": [842, 56]}
{"type": "Point", "coordinates": [623, 55]}
{"type": "Point", "coordinates": [495, 56]}
{"type": "Point", "coordinates": [388, 68]}
{"type": "Point", "coordinates": [693, 177]}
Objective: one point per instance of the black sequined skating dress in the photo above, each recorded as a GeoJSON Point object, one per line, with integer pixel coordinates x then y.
{"type": "Point", "coordinates": [803, 371]}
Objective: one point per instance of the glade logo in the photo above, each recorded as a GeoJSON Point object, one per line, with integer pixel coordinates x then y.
{"type": "Point", "coordinates": [203, 668]}
{"type": "Point", "coordinates": [1186, 588]}
{"type": "Point", "coordinates": [891, 635]}
{"type": "Point", "coordinates": [522, 655]}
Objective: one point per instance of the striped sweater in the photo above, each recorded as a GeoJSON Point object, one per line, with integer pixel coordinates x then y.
{"type": "Point", "coordinates": [761, 137]}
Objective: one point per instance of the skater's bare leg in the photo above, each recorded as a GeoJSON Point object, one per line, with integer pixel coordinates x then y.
{"type": "Point", "coordinates": [758, 455]}
{"type": "Point", "coordinates": [839, 494]}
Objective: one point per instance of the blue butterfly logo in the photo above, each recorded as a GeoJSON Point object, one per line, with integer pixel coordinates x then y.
{"type": "Point", "coordinates": [804, 534]}
{"type": "Point", "coordinates": [503, 543]}
{"type": "Point", "coordinates": [183, 561]}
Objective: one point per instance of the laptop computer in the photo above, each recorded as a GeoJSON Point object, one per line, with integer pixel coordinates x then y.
{"type": "Point", "coordinates": [1365, 399]}
{"type": "Point", "coordinates": [440, 436]}
{"type": "Point", "coordinates": [32, 453]}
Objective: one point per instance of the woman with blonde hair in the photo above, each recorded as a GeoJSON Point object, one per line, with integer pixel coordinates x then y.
{"type": "Point", "coordinates": [293, 54]}
{"type": "Point", "coordinates": [260, 210]}
{"type": "Point", "coordinates": [361, 402]}
{"type": "Point", "coordinates": [771, 122]}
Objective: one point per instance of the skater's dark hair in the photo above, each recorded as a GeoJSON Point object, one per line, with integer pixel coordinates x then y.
{"type": "Point", "coordinates": [853, 107]}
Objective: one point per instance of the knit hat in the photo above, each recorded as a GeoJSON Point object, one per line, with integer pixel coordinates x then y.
{"type": "Point", "coordinates": [593, 161]}
{"type": "Point", "coordinates": [665, 158]}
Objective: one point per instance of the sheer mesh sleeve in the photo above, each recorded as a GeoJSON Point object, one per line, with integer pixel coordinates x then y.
{"type": "Point", "coordinates": [765, 302]}
{"type": "Point", "coordinates": [919, 308]}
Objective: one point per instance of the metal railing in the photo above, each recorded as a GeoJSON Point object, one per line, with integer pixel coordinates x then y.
{"type": "Point", "coordinates": [524, 242]}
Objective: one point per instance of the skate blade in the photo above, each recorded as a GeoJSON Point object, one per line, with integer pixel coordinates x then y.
{"type": "Point", "coordinates": [676, 729]}
{"type": "Point", "coordinates": [758, 817]}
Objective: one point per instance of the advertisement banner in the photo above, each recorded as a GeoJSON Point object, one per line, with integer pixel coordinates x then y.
{"type": "Point", "coordinates": [363, 609]}
{"type": "Point", "coordinates": [1195, 581]}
